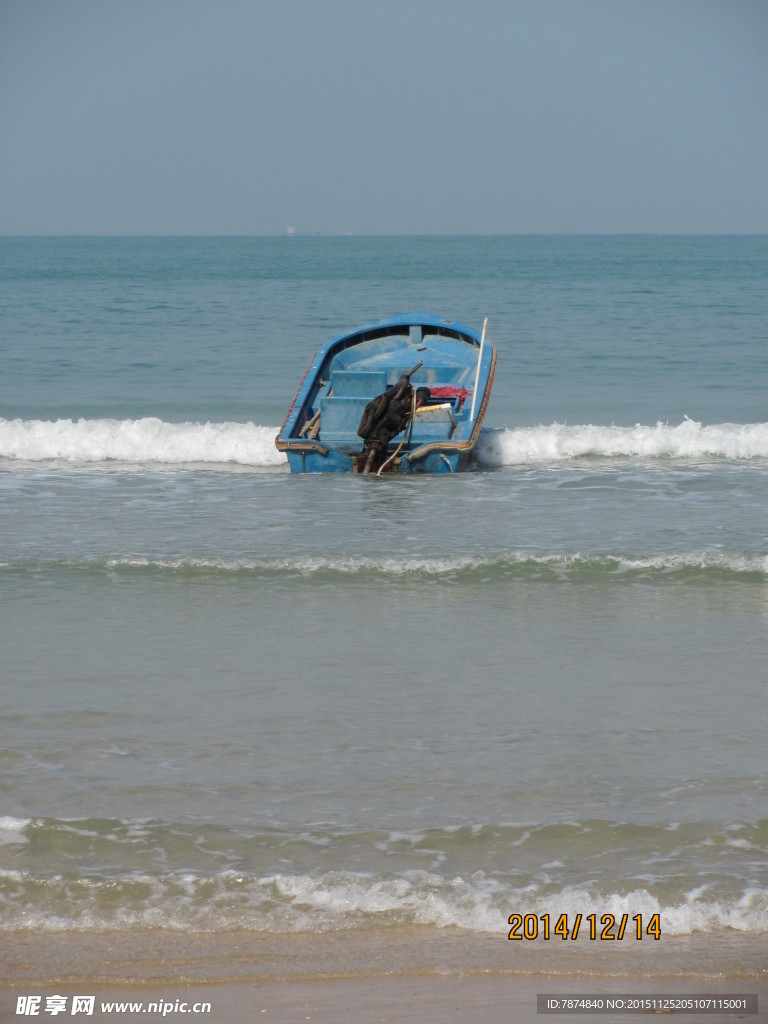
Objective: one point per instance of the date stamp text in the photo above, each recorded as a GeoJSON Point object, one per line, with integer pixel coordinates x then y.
{"type": "Point", "coordinates": [597, 927]}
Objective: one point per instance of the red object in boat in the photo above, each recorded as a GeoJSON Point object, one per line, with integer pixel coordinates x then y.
{"type": "Point", "coordinates": [448, 391]}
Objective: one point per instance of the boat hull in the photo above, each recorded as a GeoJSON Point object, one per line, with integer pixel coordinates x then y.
{"type": "Point", "coordinates": [334, 461]}
{"type": "Point", "coordinates": [457, 364]}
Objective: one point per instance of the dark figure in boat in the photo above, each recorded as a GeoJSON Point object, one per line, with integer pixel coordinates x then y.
{"type": "Point", "coordinates": [385, 417]}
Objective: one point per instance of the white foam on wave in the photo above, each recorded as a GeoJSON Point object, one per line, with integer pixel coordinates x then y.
{"type": "Point", "coordinates": [12, 830]}
{"type": "Point", "coordinates": [336, 900]}
{"type": "Point", "coordinates": [308, 565]}
{"type": "Point", "coordinates": [151, 440]}
{"type": "Point", "coordinates": [560, 564]}
{"type": "Point", "coordinates": [558, 442]}
{"type": "Point", "coordinates": [141, 441]}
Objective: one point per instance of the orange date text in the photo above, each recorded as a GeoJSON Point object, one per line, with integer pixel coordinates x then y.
{"type": "Point", "coordinates": [600, 928]}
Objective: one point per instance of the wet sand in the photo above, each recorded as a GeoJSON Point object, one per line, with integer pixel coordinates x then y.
{"type": "Point", "coordinates": [469, 999]}
{"type": "Point", "coordinates": [379, 975]}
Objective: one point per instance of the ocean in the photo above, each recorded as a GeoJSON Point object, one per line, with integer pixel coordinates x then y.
{"type": "Point", "coordinates": [273, 713]}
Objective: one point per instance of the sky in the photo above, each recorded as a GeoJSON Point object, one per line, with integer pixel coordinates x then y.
{"type": "Point", "coordinates": [247, 117]}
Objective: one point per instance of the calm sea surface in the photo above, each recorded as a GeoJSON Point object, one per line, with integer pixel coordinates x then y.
{"type": "Point", "coordinates": [236, 699]}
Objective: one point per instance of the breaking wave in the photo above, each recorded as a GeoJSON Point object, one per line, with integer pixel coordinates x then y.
{"type": "Point", "coordinates": [143, 441]}
{"type": "Point", "coordinates": [431, 877]}
{"type": "Point", "coordinates": [688, 440]}
{"type": "Point", "coordinates": [341, 900]}
{"type": "Point", "coordinates": [153, 441]}
{"type": "Point", "coordinates": [703, 565]}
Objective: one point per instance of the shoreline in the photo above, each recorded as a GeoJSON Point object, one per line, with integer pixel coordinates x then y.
{"type": "Point", "coordinates": [407, 975]}
{"type": "Point", "coordinates": [157, 957]}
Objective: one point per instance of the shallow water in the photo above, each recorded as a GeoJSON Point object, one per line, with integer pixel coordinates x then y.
{"type": "Point", "coordinates": [236, 699]}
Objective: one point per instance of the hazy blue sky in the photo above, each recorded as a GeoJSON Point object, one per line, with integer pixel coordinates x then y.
{"type": "Point", "coordinates": [426, 116]}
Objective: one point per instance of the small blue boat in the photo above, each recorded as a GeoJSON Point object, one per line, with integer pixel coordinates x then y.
{"type": "Point", "coordinates": [412, 351]}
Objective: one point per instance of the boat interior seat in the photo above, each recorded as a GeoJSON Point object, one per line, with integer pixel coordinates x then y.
{"type": "Point", "coordinates": [369, 383]}
{"type": "Point", "coordinates": [434, 423]}
{"type": "Point", "coordinates": [342, 408]}
{"type": "Point", "coordinates": [340, 417]}
{"type": "Point", "coordinates": [358, 383]}
{"type": "Point", "coordinates": [350, 392]}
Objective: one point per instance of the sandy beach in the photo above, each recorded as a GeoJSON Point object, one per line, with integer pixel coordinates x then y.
{"type": "Point", "coordinates": [490, 999]}
{"type": "Point", "coordinates": [423, 975]}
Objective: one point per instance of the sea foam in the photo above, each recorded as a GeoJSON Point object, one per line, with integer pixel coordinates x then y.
{"type": "Point", "coordinates": [153, 441]}
{"type": "Point", "coordinates": [559, 565]}
{"type": "Point", "coordinates": [341, 900]}
{"type": "Point", "coordinates": [558, 442]}
{"type": "Point", "coordinates": [12, 830]}
{"type": "Point", "coordinates": [139, 441]}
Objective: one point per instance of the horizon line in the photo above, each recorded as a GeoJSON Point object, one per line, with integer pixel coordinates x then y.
{"type": "Point", "coordinates": [351, 234]}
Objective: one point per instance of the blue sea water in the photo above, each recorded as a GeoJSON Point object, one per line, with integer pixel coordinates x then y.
{"type": "Point", "coordinates": [237, 699]}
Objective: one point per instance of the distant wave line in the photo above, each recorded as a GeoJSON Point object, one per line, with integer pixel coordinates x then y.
{"type": "Point", "coordinates": [449, 567]}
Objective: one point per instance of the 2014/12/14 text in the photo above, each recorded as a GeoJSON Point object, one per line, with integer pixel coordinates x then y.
{"type": "Point", "coordinates": [604, 928]}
